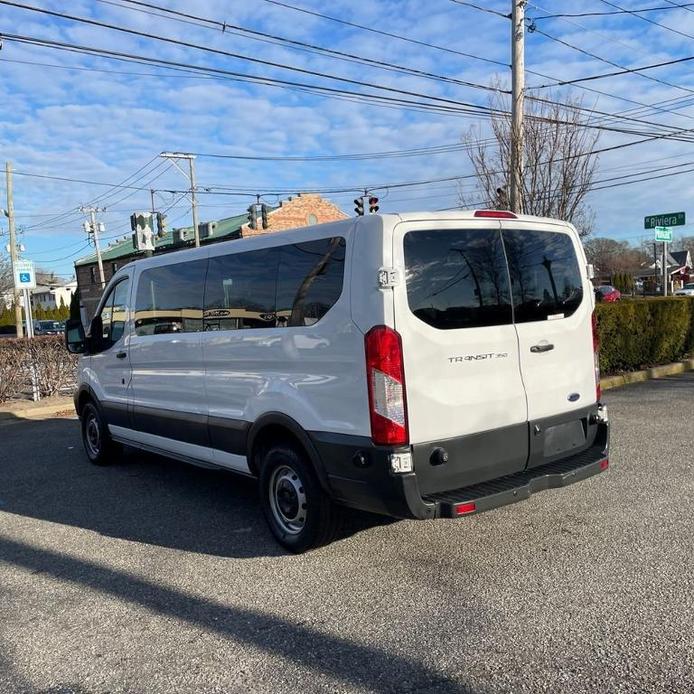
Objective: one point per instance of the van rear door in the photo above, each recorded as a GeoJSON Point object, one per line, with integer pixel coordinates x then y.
{"type": "Point", "coordinates": [553, 304]}
{"type": "Point", "coordinates": [453, 311]}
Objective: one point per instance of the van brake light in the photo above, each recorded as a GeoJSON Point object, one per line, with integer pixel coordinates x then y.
{"type": "Point", "coordinates": [386, 384]}
{"type": "Point", "coordinates": [495, 214]}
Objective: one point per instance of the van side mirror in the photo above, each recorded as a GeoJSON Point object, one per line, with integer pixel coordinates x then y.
{"type": "Point", "coordinates": [75, 340]}
{"type": "Point", "coordinates": [95, 339]}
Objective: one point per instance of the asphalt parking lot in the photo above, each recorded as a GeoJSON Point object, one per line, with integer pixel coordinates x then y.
{"type": "Point", "coordinates": [153, 576]}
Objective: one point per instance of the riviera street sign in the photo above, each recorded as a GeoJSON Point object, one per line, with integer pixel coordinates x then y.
{"type": "Point", "coordinates": [663, 234]}
{"type": "Point", "coordinates": [669, 219]}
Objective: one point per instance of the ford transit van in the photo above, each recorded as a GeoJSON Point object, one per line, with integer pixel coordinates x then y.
{"type": "Point", "coordinates": [418, 365]}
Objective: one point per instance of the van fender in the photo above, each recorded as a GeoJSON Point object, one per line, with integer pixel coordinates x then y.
{"type": "Point", "coordinates": [278, 419]}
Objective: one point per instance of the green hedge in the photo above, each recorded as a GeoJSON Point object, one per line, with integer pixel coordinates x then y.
{"type": "Point", "coordinates": [644, 332]}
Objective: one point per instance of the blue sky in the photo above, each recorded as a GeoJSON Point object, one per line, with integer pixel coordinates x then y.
{"type": "Point", "coordinates": [99, 124]}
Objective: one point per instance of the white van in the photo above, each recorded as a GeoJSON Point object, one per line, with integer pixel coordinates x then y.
{"type": "Point", "coordinates": [417, 365]}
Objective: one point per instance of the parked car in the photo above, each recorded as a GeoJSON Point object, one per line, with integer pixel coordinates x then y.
{"type": "Point", "coordinates": [607, 293]}
{"type": "Point", "coordinates": [686, 290]}
{"type": "Point", "coordinates": [417, 365]}
{"type": "Point", "coordinates": [48, 327]}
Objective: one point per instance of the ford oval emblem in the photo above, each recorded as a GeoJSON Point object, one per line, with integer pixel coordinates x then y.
{"type": "Point", "coordinates": [573, 397]}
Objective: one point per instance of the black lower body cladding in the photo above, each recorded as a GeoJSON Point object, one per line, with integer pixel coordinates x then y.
{"type": "Point", "coordinates": [490, 469]}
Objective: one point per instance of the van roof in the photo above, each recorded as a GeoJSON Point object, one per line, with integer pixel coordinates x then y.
{"type": "Point", "coordinates": [280, 236]}
{"type": "Point", "coordinates": [470, 214]}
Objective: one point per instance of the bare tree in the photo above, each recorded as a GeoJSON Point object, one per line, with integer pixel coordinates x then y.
{"type": "Point", "coordinates": [558, 162]}
{"type": "Point", "coordinates": [610, 256]}
{"type": "Point", "coordinates": [6, 282]}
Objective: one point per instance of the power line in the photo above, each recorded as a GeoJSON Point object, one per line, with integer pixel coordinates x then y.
{"type": "Point", "coordinates": [482, 9]}
{"type": "Point", "coordinates": [238, 56]}
{"type": "Point", "coordinates": [684, 7]}
{"type": "Point", "coordinates": [621, 71]}
{"type": "Point", "coordinates": [238, 30]}
{"type": "Point", "coordinates": [533, 28]}
{"type": "Point", "coordinates": [646, 19]}
{"type": "Point", "coordinates": [455, 108]}
{"type": "Point", "coordinates": [380, 32]}
{"type": "Point", "coordinates": [617, 12]}
{"type": "Point", "coordinates": [461, 107]}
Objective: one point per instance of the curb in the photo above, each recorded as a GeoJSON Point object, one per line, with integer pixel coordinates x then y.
{"type": "Point", "coordinates": [29, 413]}
{"type": "Point", "coordinates": [625, 379]}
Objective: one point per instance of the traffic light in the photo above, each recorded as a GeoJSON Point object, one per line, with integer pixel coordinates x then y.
{"type": "Point", "coordinates": [373, 205]}
{"type": "Point", "coordinates": [263, 212]}
{"type": "Point", "coordinates": [252, 217]}
{"type": "Point", "coordinates": [161, 224]}
{"type": "Point", "coordinates": [359, 206]}
{"type": "Point", "coordinates": [143, 238]}
{"type": "Point", "coordinates": [133, 221]}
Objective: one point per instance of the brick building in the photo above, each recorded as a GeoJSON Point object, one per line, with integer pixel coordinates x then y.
{"type": "Point", "coordinates": [303, 210]}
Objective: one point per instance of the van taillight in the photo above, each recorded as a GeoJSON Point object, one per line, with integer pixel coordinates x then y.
{"type": "Point", "coordinates": [596, 357]}
{"type": "Point", "coordinates": [386, 383]}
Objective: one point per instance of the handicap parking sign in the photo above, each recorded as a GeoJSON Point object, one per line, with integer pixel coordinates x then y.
{"type": "Point", "coordinates": [24, 276]}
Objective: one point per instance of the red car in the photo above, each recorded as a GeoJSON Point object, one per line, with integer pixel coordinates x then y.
{"type": "Point", "coordinates": [607, 292]}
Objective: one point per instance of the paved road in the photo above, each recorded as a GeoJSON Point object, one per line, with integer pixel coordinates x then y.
{"type": "Point", "coordinates": [152, 576]}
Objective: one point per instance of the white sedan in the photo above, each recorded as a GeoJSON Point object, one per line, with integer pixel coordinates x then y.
{"type": "Point", "coordinates": [686, 290]}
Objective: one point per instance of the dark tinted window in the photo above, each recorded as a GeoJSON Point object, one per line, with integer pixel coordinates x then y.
{"type": "Point", "coordinates": [545, 278]}
{"type": "Point", "coordinates": [457, 278]}
{"type": "Point", "coordinates": [309, 280]}
{"type": "Point", "coordinates": [240, 290]}
{"type": "Point", "coordinates": [169, 299]}
{"type": "Point", "coordinates": [114, 314]}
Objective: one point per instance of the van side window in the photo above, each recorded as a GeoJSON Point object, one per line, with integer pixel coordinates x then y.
{"type": "Point", "coordinates": [545, 277]}
{"type": "Point", "coordinates": [240, 290]}
{"type": "Point", "coordinates": [114, 313]}
{"type": "Point", "coordinates": [457, 278]}
{"type": "Point", "coordinates": [169, 299]}
{"type": "Point", "coordinates": [309, 280]}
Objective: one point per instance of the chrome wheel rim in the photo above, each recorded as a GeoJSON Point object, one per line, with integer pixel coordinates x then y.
{"type": "Point", "coordinates": [92, 436]}
{"type": "Point", "coordinates": [288, 500]}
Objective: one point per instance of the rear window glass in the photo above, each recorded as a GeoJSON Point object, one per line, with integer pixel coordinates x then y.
{"type": "Point", "coordinates": [545, 277]}
{"type": "Point", "coordinates": [309, 280]}
{"type": "Point", "coordinates": [457, 278]}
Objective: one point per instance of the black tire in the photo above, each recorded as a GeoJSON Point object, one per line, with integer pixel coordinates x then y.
{"type": "Point", "coordinates": [299, 513]}
{"type": "Point", "coordinates": [98, 445]}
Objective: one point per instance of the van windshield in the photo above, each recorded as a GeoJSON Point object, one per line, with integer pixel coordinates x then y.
{"type": "Point", "coordinates": [465, 278]}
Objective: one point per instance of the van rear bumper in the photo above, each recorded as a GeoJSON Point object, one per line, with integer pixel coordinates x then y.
{"type": "Point", "coordinates": [511, 488]}
{"type": "Point", "coordinates": [359, 477]}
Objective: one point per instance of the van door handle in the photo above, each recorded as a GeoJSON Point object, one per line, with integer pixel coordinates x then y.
{"type": "Point", "coordinates": [121, 355]}
{"type": "Point", "coordinates": [542, 347]}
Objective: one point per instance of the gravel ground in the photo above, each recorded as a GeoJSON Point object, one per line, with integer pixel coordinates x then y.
{"type": "Point", "coordinates": [153, 576]}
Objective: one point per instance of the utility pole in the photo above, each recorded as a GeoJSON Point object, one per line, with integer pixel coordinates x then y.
{"type": "Point", "coordinates": [517, 103]}
{"type": "Point", "coordinates": [13, 251]}
{"type": "Point", "coordinates": [92, 226]}
{"type": "Point", "coordinates": [173, 156]}
{"type": "Point", "coordinates": [151, 194]}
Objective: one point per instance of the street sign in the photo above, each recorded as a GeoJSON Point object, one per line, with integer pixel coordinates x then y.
{"type": "Point", "coordinates": [669, 219]}
{"type": "Point", "coordinates": [24, 276]}
{"type": "Point", "coordinates": [663, 234]}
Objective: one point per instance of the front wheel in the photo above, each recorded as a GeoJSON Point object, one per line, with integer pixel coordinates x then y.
{"type": "Point", "coordinates": [299, 514]}
{"type": "Point", "coordinates": [98, 445]}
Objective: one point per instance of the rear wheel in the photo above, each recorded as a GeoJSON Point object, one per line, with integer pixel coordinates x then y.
{"type": "Point", "coordinates": [98, 445]}
{"type": "Point", "coordinates": [299, 514]}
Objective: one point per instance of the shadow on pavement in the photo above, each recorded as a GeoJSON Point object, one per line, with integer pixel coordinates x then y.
{"type": "Point", "coordinates": [353, 663]}
{"type": "Point", "coordinates": [45, 474]}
